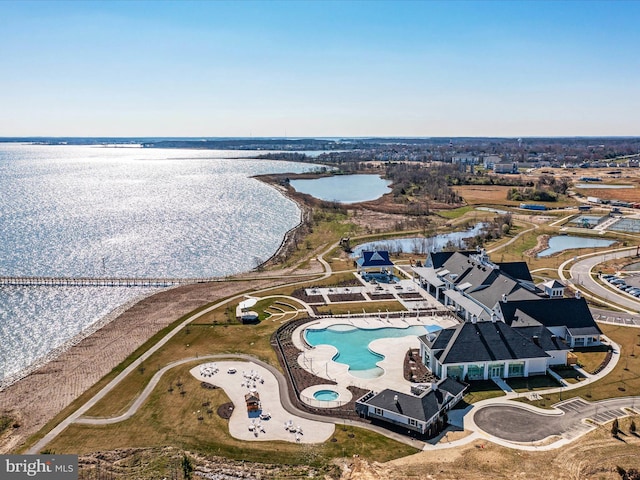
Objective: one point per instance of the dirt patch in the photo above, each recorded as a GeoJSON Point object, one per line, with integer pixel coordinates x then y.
{"type": "Point", "coordinates": [225, 410]}
{"type": "Point", "coordinates": [541, 244]}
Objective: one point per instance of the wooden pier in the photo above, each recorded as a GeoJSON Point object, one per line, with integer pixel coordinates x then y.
{"type": "Point", "coordinates": [99, 282]}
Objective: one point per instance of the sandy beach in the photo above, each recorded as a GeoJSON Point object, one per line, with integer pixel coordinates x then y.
{"type": "Point", "coordinates": [42, 394]}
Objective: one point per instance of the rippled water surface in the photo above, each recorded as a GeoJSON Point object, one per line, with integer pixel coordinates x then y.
{"type": "Point", "coordinates": [123, 212]}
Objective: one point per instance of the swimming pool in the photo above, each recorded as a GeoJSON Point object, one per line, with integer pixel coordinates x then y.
{"type": "Point", "coordinates": [352, 344]}
{"type": "Point", "coordinates": [326, 395]}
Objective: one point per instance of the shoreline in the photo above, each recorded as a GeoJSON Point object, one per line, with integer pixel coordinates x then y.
{"type": "Point", "coordinates": [92, 328]}
{"type": "Point", "coordinates": [36, 394]}
{"type": "Point", "coordinates": [542, 243]}
{"type": "Point", "coordinates": [102, 321]}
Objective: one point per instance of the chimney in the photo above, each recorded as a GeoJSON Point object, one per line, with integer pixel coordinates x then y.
{"type": "Point", "coordinates": [395, 399]}
{"type": "Point", "coordinates": [536, 340]}
{"type": "Point", "coordinates": [493, 317]}
{"type": "Point", "coordinates": [578, 294]}
{"type": "Point", "coordinates": [504, 298]}
{"type": "Point", "coordinates": [474, 319]}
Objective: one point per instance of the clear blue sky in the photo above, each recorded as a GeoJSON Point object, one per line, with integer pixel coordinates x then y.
{"type": "Point", "coordinates": [319, 68]}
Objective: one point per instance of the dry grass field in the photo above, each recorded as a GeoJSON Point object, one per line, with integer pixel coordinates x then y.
{"type": "Point", "coordinates": [594, 456]}
{"type": "Point", "coordinates": [485, 194]}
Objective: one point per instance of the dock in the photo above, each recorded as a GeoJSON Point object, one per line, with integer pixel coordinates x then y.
{"type": "Point", "coordinates": [100, 281]}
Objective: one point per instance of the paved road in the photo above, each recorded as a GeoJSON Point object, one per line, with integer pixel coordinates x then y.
{"type": "Point", "coordinates": [520, 424]}
{"type": "Point", "coordinates": [581, 278]}
{"type": "Point", "coordinates": [618, 318]}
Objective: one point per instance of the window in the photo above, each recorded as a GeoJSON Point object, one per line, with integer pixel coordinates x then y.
{"type": "Point", "coordinates": [516, 369]}
{"type": "Point", "coordinates": [475, 372]}
{"type": "Point", "coordinates": [377, 411]}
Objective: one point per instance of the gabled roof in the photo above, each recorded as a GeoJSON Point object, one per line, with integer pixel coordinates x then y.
{"type": "Point", "coordinates": [486, 341]}
{"type": "Point", "coordinates": [422, 407]}
{"type": "Point", "coordinates": [429, 274]}
{"type": "Point", "coordinates": [491, 293]}
{"type": "Point", "coordinates": [437, 341]}
{"type": "Point", "coordinates": [544, 338]}
{"type": "Point", "coordinates": [572, 313]}
{"type": "Point", "coordinates": [519, 270]}
{"type": "Point", "coordinates": [438, 258]}
{"type": "Point", "coordinates": [378, 258]}
{"type": "Point", "coordinates": [553, 284]}
{"type": "Point", "coordinates": [484, 283]}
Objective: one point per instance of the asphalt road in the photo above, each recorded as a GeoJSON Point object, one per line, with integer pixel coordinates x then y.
{"type": "Point", "coordinates": [519, 424]}
{"type": "Point", "coordinates": [581, 278]}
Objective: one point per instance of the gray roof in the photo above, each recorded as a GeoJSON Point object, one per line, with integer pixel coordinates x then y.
{"type": "Point", "coordinates": [484, 342]}
{"type": "Point", "coordinates": [572, 313]}
{"type": "Point", "coordinates": [468, 304]}
{"type": "Point", "coordinates": [421, 407]}
{"type": "Point", "coordinates": [519, 270]}
{"type": "Point", "coordinates": [488, 284]}
{"type": "Point", "coordinates": [544, 338]}
{"type": "Point", "coordinates": [428, 274]}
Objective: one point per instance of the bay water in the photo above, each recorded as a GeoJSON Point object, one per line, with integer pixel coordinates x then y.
{"type": "Point", "coordinates": [93, 211]}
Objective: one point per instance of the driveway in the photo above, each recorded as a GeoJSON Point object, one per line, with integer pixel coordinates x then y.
{"type": "Point", "coordinates": [520, 423]}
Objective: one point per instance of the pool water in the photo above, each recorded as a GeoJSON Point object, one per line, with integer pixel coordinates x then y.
{"type": "Point", "coordinates": [352, 344]}
{"type": "Point", "coordinates": [326, 395]}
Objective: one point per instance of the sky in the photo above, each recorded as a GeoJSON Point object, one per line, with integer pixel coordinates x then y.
{"type": "Point", "coordinates": [319, 68]}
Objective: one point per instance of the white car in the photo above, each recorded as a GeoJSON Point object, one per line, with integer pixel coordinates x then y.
{"type": "Point", "coordinates": [232, 370]}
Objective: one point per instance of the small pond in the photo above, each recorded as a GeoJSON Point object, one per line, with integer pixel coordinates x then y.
{"type": "Point", "coordinates": [494, 210]}
{"type": "Point", "coordinates": [567, 242]}
{"type": "Point", "coordinates": [420, 245]}
{"type": "Point", "coordinates": [344, 188]}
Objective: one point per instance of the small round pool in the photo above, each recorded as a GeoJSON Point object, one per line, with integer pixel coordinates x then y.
{"type": "Point", "coordinates": [326, 395]}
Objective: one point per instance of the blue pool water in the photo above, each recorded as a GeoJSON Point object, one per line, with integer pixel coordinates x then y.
{"type": "Point", "coordinates": [352, 344]}
{"type": "Point", "coordinates": [326, 395]}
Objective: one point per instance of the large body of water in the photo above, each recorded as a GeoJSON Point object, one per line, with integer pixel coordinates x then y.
{"type": "Point", "coordinates": [123, 212]}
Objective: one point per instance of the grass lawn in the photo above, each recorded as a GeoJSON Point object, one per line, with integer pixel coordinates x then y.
{"type": "Point", "coordinates": [623, 381]}
{"type": "Point", "coordinates": [569, 374]}
{"type": "Point", "coordinates": [590, 358]}
{"type": "Point", "coordinates": [357, 307]}
{"type": "Point", "coordinates": [171, 418]}
{"type": "Point", "coordinates": [530, 384]}
{"type": "Point", "coordinates": [481, 390]}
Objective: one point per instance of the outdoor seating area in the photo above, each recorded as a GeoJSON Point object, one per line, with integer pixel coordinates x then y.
{"type": "Point", "coordinates": [257, 388]}
{"type": "Point", "coordinates": [208, 369]}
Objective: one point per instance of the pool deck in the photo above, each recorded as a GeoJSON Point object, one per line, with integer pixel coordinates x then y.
{"type": "Point", "coordinates": [235, 385]}
{"type": "Point", "coordinates": [318, 360]}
